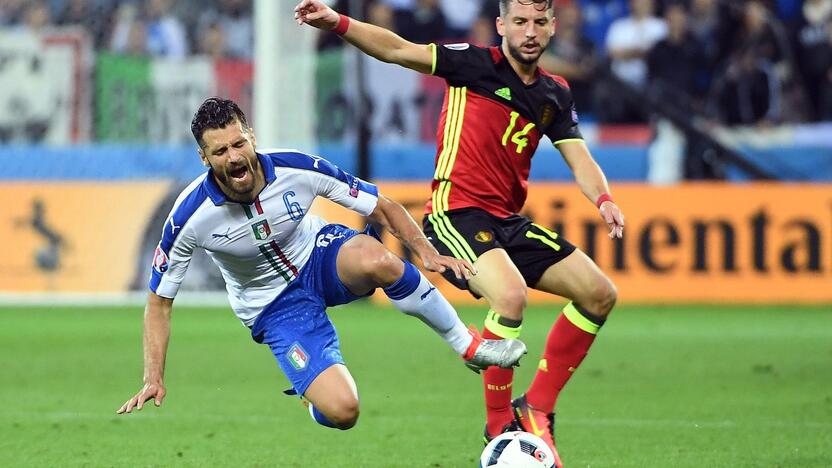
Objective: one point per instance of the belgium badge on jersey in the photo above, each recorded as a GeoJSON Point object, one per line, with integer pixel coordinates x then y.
{"type": "Point", "coordinates": [547, 115]}
{"type": "Point", "coordinates": [484, 237]}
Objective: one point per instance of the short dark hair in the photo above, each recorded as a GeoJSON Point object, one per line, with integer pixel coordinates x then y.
{"type": "Point", "coordinates": [214, 113]}
{"type": "Point", "coordinates": [505, 3]}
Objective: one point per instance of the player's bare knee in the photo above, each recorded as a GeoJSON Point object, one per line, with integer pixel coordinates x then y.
{"type": "Point", "coordinates": [603, 298]}
{"type": "Point", "coordinates": [345, 415]}
{"type": "Point", "coordinates": [384, 267]}
{"type": "Point", "coordinates": [511, 303]}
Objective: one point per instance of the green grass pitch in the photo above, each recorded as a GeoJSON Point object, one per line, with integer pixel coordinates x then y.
{"type": "Point", "coordinates": [693, 386]}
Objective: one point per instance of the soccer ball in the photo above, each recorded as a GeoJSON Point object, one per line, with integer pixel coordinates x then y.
{"type": "Point", "coordinates": [517, 449]}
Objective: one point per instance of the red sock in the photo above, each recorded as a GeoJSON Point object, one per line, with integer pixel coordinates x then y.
{"type": "Point", "coordinates": [497, 384]}
{"type": "Point", "coordinates": [566, 346]}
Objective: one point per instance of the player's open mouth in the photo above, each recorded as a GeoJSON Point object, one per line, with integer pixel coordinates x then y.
{"type": "Point", "coordinates": [531, 47]}
{"type": "Point", "coordinates": [238, 173]}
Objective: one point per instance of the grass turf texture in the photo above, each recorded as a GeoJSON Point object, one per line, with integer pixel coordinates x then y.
{"type": "Point", "coordinates": [664, 387]}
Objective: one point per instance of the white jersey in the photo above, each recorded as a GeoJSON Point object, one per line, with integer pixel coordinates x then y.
{"type": "Point", "coordinates": [258, 247]}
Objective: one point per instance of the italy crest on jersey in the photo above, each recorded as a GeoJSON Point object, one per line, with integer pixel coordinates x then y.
{"type": "Point", "coordinates": [262, 230]}
{"type": "Point", "coordinates": [297, 356]}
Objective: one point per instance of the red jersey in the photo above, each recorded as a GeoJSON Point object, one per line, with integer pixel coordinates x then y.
{"type": "Point", "coordinates": [489, 129]}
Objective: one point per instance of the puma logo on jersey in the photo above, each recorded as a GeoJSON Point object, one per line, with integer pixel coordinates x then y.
{"type": "Point", "coordinates": [220, 236]}
{"type": "Point", "coordinates": [173, 227]}
{"type": "Point", "coordinates": [504, 93]}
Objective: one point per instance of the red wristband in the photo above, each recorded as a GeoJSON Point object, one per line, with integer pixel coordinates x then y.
{"type": "Point", "coordinates": [605, 197]}
{"type": "Point", "coordinates": [343, 25]}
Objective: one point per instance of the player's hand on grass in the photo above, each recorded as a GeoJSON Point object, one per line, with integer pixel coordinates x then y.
{"type": "Point", "coordinates": [614, 218]}
{"type": "Point", "coordinates": [316, 14]}
{"type": "Point", "coordinates": [440, 263]}
{"type": "Point", "coordinates": [150, 391]}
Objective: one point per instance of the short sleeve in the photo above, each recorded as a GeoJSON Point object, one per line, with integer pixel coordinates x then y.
{"type": "Point", "coordinates": [460, 63]}
{"type": "Point", "coordinates": [171, 259]}
{"type": "Point", "coordinates": [564, 127]}
{"type": "Point", "coordinates": [345, 189]}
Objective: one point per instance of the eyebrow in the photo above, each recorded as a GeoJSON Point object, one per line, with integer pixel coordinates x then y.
{"type": "Point", "coordinates": [530, 18]}
{"type": "Point", "coordinates": [217, 150]}
{"type": "Point", "coordinates": [524, 18]}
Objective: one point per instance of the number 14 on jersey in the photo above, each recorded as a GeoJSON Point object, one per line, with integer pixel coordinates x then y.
{"type": "Point", "coordinates": [520, 137]}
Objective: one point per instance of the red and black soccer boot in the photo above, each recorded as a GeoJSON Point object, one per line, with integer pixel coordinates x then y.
{"type": "Point", "coordinates": [536, 422]}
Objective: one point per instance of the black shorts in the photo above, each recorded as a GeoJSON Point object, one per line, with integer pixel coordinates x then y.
{"type": "Point", "coordinates": [468, 233]}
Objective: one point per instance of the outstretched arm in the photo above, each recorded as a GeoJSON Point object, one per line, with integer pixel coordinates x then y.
{"type": "Point", "coordinates": [398, 221]}
{"type": "Point", "coordinates": [376, 42]}
{"type": "Point", "coordinates": [156, 335]}
{"type": "Point", "coordinates": [593, 184]}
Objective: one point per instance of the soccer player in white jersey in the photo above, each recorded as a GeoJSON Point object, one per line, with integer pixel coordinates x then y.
{"type": "Point", "coordinates": [283, 267]}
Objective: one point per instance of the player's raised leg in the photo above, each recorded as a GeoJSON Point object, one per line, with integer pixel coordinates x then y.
{"type": "Point", "coordinates": [333, 398]}
{"type": "Point", "coordinates": [502, 285]}
{"type": "Point", "coordinates": [304, 342]}
{"type": "Point", "coordinates": [592, 296]}
{"type": "Point", "coordinates": [364, 264]}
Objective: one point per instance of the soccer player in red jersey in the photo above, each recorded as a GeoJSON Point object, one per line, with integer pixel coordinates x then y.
{"type": "Point", "coordinates": [498, 106]}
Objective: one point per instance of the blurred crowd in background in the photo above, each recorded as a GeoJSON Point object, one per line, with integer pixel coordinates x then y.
{"type": "Point", "coordinates": [737, 62]}
{"type": "Point", "coordinates": [753, 62]}
{"type": "Point", "coordinates": [159, 28]}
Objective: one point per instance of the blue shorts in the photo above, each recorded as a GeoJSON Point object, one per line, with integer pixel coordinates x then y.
{"type": "Point", "coordinates": [295, 325]}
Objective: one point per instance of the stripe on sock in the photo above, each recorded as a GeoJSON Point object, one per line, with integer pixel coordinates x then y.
{"type": "Point", "coordinates": [405, 285]}
{"type": "Point", "coordinates": [579, 320]}
{"type": "Point", "coordinates": [319, 417]}
{"type": "Point", "coordinates": [496, 324]}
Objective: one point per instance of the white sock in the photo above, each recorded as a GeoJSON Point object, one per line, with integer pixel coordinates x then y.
{"type": "Point", "coordinates": [431, 307]}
